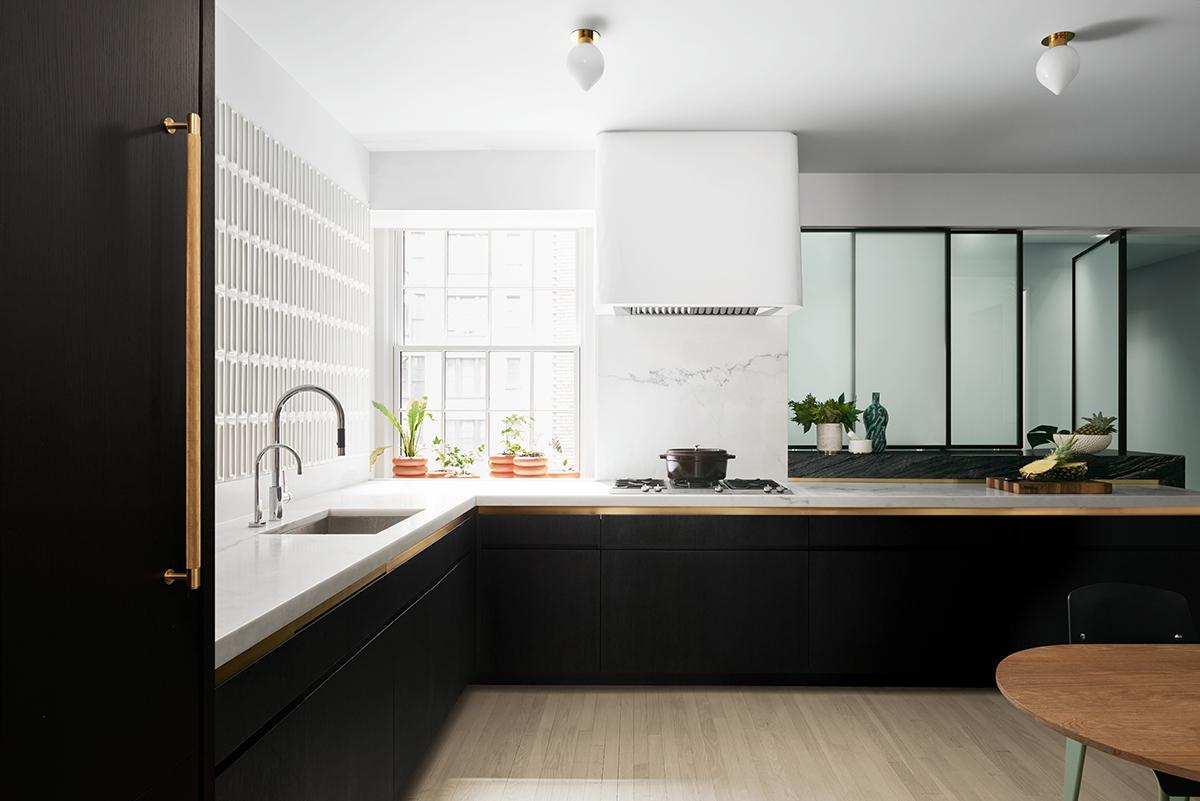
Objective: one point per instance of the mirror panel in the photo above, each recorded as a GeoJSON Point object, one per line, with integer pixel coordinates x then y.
{"type": "Point", "coordinates": [1097, 333]}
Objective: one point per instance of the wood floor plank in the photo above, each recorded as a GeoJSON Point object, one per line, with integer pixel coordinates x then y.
{"type": "Point", "coordinates": [753, 744]}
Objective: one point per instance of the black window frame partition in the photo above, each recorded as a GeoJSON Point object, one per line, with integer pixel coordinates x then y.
{"type": "Point", "coordinates": [1118, 238]}
{"type": "Point", "coordinates": [1019, 434]}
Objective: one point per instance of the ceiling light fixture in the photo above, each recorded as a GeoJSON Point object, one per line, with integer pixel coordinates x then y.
{"type": "Point", "coordinates": [585, 62]}
{"type": "Point", "coordinates": [1059, 65]}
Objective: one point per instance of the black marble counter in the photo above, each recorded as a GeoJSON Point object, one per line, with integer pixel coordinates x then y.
{"type": "Point", "coordinates": [1165, 468]}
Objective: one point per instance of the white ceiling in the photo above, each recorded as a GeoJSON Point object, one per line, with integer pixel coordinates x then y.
{"type": "Point", "coordinates": [869, 85]}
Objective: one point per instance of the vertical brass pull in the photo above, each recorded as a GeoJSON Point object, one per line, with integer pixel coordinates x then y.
{"type": "Point", "coordinates": [193, 355]}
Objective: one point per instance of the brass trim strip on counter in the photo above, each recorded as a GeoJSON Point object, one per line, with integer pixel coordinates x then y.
{"type": "Point", "coordinates": [853, 511]}
{"type": "Point", "coordinates": [277, 638]}
{"type": "Point", "coordinates": [1144, 482]}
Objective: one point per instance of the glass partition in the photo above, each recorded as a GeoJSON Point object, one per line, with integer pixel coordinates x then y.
{"type": "Point", "coordinates": [984, 318]}
{"type": "Point", "coordinates": [821, 334]}
{"type": "Point", "coordinates": [1163, 347]}
{"type": "Point", "coordinates": [1098, 332]}
{"type": "Point", "coordinates": [900, 331]}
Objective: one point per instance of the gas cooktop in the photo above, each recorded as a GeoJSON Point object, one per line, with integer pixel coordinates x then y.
{"type": "Point", "coordinates": [731, 486]}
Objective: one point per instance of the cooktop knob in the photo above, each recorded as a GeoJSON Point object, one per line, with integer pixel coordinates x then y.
{"type": "Point", "coordinates": [719, 488]}
{"type": "Point", "coordinates": [658, 488]}
{"type": "Point", "coordinates": [645, 488]}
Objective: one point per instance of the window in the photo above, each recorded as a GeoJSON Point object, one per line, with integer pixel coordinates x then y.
{"type": "Point", "coordinates": [489, 328]}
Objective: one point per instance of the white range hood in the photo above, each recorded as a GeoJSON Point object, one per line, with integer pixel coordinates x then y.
{"type": "Point", "coordinates": [697, 223]}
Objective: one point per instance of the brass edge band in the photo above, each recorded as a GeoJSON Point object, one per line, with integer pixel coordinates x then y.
{"type": "Point", "coordinates": [852, 511]}
{"type": "Point", "coordinates": [272, 641]}
{"type": "Point", "coordinates": [1141, 482]}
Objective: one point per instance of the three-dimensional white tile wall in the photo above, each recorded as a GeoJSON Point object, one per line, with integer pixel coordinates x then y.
{"type": "Point", "coordinates": [293, 300]}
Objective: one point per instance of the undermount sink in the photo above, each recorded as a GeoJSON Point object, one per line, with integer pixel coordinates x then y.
{"type": "Point", "coordinates": [344, 523]}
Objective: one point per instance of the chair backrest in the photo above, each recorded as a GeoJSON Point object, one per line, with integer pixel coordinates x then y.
{"type": "Point", "coordinates": [1128, 613]}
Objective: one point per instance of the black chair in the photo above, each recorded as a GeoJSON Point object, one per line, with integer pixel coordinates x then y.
{"type": "Point", "coordinates": [1127, 613]}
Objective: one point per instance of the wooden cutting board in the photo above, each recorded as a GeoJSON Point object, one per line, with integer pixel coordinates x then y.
{"type": "Point", "coordinates": [1022, 487]}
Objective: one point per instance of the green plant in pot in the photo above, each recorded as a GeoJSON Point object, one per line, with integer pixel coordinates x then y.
{"type": "Point", "coordinates": [409, 463]}
{"type": "Point", "coordinates": [511, 445]}
{"type": "Point", "coordinates": [456, 462]}
{"type": "Point", "coordinates": [830, 417]}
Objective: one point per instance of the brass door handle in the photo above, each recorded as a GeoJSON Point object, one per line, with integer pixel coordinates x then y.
{"type": "Point", "coordinates": [191, 572]}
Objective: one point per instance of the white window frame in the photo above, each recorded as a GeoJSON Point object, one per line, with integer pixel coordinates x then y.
{"type": "Point", "coordinates": [390, 333]}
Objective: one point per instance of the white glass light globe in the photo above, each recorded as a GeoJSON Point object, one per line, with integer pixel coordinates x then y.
{"type": "Point", "coordinates": [585, 62]}
{"type": "Point", "coordinates": [1057, 67]}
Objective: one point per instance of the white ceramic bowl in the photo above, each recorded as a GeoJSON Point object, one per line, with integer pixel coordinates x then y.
{"type": "Point", "coordinates": [1086, 443]}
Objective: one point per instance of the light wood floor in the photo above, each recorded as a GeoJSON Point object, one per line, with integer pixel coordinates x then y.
{"type": "Point", "coordinates": [806, 744]}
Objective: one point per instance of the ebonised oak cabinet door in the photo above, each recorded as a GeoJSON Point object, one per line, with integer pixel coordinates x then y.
{"type": "Point", "coordinates": [715, 615]}
{"type": "Point", "coordinates": [107, 672]}
{"type": "Point", "coordinates": [336, 743]}
{"type": "Point", "coordinates": [539, 597]}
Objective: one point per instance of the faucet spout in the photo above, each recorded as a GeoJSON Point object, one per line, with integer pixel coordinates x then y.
{"type": "Point", "coordinates": [276, 484]}
{"type": "Point", "coordinates": [257, 521]}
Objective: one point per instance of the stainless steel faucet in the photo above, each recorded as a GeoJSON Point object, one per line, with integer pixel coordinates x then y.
{"type": "Point", "coordinates": [276, 499]}
{"type": "Point", "coordinates": [258, 521]}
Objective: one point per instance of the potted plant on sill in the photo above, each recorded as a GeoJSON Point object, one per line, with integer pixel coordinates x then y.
{"type": "Point", "coordinates": [455, 462]}
{"type": "Point", "coordinates": [501, 464]}
{"type": "Point", "coordinates": [568, 470]}
{"type": "Point", "coordinates": [830, 417]}
{"type": "Point", "coordinates": [409, 464]}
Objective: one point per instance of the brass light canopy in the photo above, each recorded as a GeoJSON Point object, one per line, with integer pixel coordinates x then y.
{"type": "Point", "coordinates": [588, 35]}
{"type": "Point", "coordinates": [1058, 38]}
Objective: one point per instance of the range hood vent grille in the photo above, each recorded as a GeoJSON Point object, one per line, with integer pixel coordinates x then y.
{"type": "Point", "coordinates": [698, 311]}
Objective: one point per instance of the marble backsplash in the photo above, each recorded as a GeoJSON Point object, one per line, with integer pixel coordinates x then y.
{"type": "Point", "coordinates": [671, 382]}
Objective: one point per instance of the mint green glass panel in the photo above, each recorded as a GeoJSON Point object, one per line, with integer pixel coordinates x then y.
{"type": "Point", "coordinates": [900, 332]}
{"type": "Point", "coordinates": [821, 335]}
{"type": "Point", "coordinates": [1097, 333]}
{"type": "Point", "coordinates": [983, 339]}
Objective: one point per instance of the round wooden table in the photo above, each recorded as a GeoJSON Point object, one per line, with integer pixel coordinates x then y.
{"type": "Point", "coordinates": [1138, 702]}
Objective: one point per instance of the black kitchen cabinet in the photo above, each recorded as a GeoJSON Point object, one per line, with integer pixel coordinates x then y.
{"type": "Point", "coordinates": [539, 598]}
{"type": "Point", "coordinates": [412, 709]}
{"type": "Point", "coordinates": [335, 744]}
{"type": "Point", "coordinates": [451, 638]}
{"type": "Point", "coordinates": [711, 615]}
{"type": "Point", "coordinates": [941, 600]}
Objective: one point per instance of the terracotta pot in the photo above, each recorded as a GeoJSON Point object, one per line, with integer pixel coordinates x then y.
{"type": "Point", "coordinates": [436, 474]}
{"type": "Point", "coordinates": [565, 475]}
{"type": "Point", "coordinates": [501, 466]}
{"type": "Point", "coordinates": [529, 466]}
{"type": "Point", "coordinates": [409, 466]}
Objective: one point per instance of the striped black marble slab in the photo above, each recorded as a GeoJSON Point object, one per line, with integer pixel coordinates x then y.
{"type": "Point", "coordinates": [1168, 469]}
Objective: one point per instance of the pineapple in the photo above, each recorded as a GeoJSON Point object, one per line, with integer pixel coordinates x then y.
{"type": "Point", "coordinates": [1098, 424]}
{"type": "Point", "coordinates": [1058, 466]}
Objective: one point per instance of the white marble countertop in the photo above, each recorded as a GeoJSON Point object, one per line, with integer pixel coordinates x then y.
{"type": "Point", "coordinates": [265, 581]}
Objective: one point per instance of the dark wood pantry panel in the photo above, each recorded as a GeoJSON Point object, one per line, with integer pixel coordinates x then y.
{"type": "Point", "coordinates": [107, 671]}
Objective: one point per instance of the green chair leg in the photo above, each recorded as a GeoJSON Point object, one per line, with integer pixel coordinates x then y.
{"type": "Point", "coordinates": [1073, 769]}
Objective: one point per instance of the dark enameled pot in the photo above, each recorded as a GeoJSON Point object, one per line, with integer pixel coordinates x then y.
{"type": "Point", "coordinates": [696, 464]}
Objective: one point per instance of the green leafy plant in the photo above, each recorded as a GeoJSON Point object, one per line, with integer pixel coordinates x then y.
{"type": "Point", "coordinates": [513, 433]}
{"type": "Point", "coordinates": [409, 429]}
{"type": "Point", "coordinates": [1043, 435]}
{"type": "Point", "coordinates": [455, 460]}
{"type": "Point", "coordinates": [810, 412]}
{"type": "Point", "coordinates": [557, 446]}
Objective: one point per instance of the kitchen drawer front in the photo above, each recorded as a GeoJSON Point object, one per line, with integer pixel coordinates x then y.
{"type": "Point", "coordinates": [704, 532]}
{"type": "Point", "coordinates": [539, 531]}
{"type": "Point", "coordinates": [1032, 533]}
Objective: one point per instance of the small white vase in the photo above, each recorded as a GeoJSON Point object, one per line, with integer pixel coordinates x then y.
{"type": "Point", "coordinates": [829, 437]}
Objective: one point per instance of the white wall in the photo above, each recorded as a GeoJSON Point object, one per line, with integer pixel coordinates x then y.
{"type": "Point", "coordinates": [256, 85]}
{"type": "Point", "coordinates": [1164, 360]}
{"type": "Point", "coordinates": [482, 179]}
{"type": "Point", "coordinates": [290, 309]}
{"type": "Point", "coordinates": [999, 200]}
